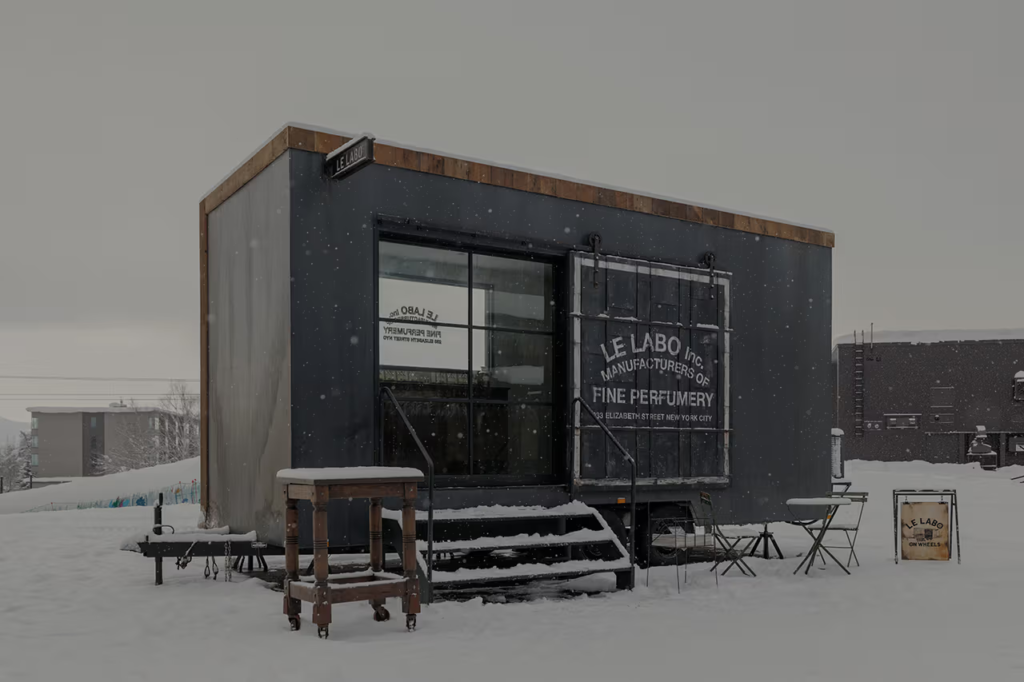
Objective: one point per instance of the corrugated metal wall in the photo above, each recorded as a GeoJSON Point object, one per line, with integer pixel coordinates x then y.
{"type": "Point", "coordinates": [250, 358]}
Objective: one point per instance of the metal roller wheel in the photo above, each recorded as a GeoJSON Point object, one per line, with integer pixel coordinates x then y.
{"type": "Point", "coordinates": [381, 614]}
{"type": "Point", "coordinates": [294, 622]}
{"type": "Point", "coordinates": [322, 631]}
{"type": "Point", "coordinates": [410, 621]}
{"type": "Point", "coordinates": [664, 519]}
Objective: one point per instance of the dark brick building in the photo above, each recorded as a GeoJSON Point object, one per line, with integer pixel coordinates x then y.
{"type": "Point", "coordinates": [923, 395]}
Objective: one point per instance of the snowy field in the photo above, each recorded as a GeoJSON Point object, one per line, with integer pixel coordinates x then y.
{"type": "Point", "coordinates": [73, 607]}
{"type": "Point", "coordinates": [128, 484]}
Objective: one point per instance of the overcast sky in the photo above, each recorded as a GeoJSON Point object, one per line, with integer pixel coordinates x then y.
{"type": "Point", "coordinates": [896, 124]}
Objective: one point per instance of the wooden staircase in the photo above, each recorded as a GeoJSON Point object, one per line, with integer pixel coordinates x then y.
{"type": "Point", "coordinates": [486, 548]}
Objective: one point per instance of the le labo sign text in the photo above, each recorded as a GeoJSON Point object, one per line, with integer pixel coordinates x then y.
{"type": "Point", "coordinates": [349, 157]}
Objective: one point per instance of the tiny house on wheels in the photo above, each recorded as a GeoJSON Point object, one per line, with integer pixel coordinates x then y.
{"type": "Point", "coordinates": [369, 303]}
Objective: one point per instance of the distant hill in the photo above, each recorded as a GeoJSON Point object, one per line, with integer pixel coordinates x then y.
{"type": "Point", "coordinates": [9, 430]}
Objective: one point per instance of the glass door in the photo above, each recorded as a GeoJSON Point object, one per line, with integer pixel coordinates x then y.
{"type": "Point", "coordinates": [466, 342]}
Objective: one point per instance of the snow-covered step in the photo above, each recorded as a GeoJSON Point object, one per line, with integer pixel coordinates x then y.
{"type": "Point", "coordinates": [500, 513]}
{"type": "Point", "coordinates": [527, 572]}
{"type": "Point", "coordinates": [522, 541]}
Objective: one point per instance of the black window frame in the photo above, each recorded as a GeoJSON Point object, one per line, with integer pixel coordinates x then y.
{"type": "Point", "coordinates": [417, 234]}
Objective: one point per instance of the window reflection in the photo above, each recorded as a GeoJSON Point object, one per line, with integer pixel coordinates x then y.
{"type": "Point", "coordinates": [474, 371]}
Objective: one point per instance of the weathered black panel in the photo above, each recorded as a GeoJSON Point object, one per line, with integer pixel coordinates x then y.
{"type": "Point", "coordinates": [643, 357]}
{"type": "Point", "coordinates": [781, 307]}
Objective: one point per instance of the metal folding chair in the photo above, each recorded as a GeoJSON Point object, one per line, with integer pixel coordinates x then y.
{"type": "Point", "coordinates": [847, 526]}
{"type": "Point", "coordinates": [680, 536]}
{"type": "Point", "coordinates": [732, 551]}
{"type": "Point", "coordinates": [824, 508]}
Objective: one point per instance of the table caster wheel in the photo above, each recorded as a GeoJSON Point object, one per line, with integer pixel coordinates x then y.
{"type": "Point", "coordinates": [294, 622]}
{"type": "Point", "coordinates": [321, 631]}
{"type": "Point", "coordinates": [410, 621]}
{"type": "Point", "coordinates": [381, 614]}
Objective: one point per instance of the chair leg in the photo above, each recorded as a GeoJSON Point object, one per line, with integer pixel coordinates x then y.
{"type": "Point", "coordinates": [853, 552]}
{"type": "Point", "coordinates": [736, 558]}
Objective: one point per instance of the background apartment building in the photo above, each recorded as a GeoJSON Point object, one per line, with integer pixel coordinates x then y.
{"type": "Point", "coordinates": [72, 441]}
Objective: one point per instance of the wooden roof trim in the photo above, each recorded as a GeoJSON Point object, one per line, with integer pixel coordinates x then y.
{"type": "Point", "coordinates": [291, 137]}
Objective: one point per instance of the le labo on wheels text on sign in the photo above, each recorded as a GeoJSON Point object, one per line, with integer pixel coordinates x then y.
{"type": "Point", "coordinates": [925, 531]}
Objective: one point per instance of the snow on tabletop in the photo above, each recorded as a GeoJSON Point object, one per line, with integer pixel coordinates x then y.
{"type": "Point", "coordinates": [936, 336]}
{"type": "Point", "coordinates": [349, 474]}
{"type": "Point", "coordinates": [838, 432]}
{"type": "Point", "coordinates": [1019, 375]}
{"type": "Point", "coordinates": [817, 501]}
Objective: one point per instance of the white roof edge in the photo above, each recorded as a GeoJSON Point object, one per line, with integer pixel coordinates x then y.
{"type": "Point", "coordinates": [289, 124]}
{"type": "Point", "coordinates": [534, 171]}
{"type": "Point", "coordinates": [936, 336]}
{"type": "Point", "coordinates": [89, 410]}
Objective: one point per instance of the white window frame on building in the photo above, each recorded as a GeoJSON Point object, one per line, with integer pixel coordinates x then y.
{"type": "Point", "coordinates": [897, 422]}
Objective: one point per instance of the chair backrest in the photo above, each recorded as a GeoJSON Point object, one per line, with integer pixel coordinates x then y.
{"type": "Point", "coordinates": [857, 498]}
{"type": "Point", "coordinates": [708, 511]}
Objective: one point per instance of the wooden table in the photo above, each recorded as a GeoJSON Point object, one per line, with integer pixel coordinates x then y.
{"type": "Point", "coordinates": [320, 486]}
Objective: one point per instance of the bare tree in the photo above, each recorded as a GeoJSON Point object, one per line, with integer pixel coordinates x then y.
{"type": "Point", "coordinates": [181, 423]}
{"type": "Point", "coordinates": [145, 437]}
{"type": "Point", "coordinates": [11, 467]}
{"type": "Point", "coordinates": [24, 455]}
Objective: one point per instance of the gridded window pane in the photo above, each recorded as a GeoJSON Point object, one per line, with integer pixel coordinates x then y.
{"type": "Point", "coordinates": [410, 261]}
{"type": "Point", "coordinates": [410, 345]}
{"type": "Point", "coordinates": [417, 383]}
{"type": "Point", "coordinates": [512, 440]}
{"type": "Point", "coordinates": [443, 429]}
{"type": "Point", "coordinates": [515, 367]}
{"type": "Point", "coordinates": [421, 284]}
{"type": "Point", "coordinates": [519, 294]}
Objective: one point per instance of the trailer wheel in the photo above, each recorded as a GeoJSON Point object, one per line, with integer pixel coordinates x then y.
{"type": "Point", "coordinates": [609, 552]}
{"type": "Point", "coordinates": [663, 518]}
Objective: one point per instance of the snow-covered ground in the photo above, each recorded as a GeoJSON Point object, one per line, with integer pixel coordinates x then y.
{"type": "Point", "coordinates": [129, 484]}
{"type": "Point", "coordinates": [73, 607]}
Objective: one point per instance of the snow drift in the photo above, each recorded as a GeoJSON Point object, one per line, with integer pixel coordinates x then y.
{"type": "Point", "coordinates": [93, 491]}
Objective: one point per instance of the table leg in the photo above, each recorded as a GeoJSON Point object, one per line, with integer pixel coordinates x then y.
{"type": "Point", "coordinates": [411, 602]}
{"type": "Point", "coordinates": [322, 593]}
{"type": "Point", "coordinates": [817, 547]}
{"type": "Point", "coordinates": [377, 553]}
{"type": "Point", "coordinates": [292, 607]}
